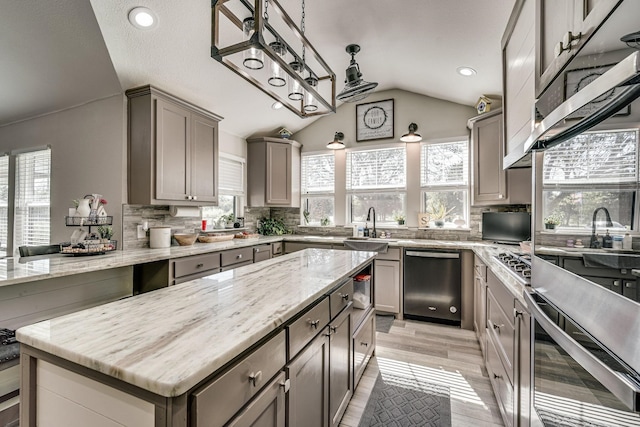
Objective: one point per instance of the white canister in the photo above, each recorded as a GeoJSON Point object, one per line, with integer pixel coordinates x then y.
{"type": "Point", "coordinates": [159, 237]}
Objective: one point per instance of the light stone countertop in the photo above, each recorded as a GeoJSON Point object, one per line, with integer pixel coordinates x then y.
{"type": "Point", "coordinates": [169, 340]}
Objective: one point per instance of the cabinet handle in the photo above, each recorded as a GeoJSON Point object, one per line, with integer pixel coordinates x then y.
{"type": "Point", "coordinates": [517, 313]}
{"type": "Point", "coordinates": [333, 329]}
{"type": "Point", "coordinates": [239, 256]}
{"type": "Point", "coordinates": [314, 323]}
{"type": "Point", "coordinates": [500, 196]}
{"type": "Point", "coordinates": [194, 197]}
{"type": "Point", "coordinates": [199, 265]}
{"type": "Point", "coordinates": [497, 377]}
{"type": "Point", "coordinates": [188, 197]}
{"type": "Point", "coordinates": [567, 43]}
{"type": "Point", "coordinates": [432, 308]}
{"type": "Point", "coordinates": [616, 283]}
{"type": "Point", "coordinates": [344, 297]}
{"type": "Point", "coordinates": [497, 327]}
{"type": "Point", "coordinates": [255, 377]}
{"type": "Point", "coordinates": [286, 384]}
{"type": "Point", "coordinates": [364, 344]}
{"type": "Point", "coordinates": [256, 250]}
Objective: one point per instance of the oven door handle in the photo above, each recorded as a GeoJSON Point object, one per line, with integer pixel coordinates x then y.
{"type": "Point", "coordinates": [617, 383]}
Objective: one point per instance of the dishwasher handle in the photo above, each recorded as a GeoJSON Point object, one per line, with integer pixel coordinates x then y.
{"type": "Point", "coordinates": [421, 254]}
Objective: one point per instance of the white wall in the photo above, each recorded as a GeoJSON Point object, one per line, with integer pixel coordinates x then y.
{"type": "Point", "coordinates": [437, 120]}
{"type": "Point", "coordinates": [88, 155]}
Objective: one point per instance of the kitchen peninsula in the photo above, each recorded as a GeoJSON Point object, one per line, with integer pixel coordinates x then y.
{"type": "Point", "coordinates": [157, 359]}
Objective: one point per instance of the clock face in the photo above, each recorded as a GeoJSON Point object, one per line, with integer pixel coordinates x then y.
{"type": "Point", "coordinates": [375, 117]}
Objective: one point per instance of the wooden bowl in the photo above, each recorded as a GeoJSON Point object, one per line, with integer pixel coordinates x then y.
{"type": "Point", "coordinates": [213, 238]}
{"type": "Point", "coordinates": [185, 239]}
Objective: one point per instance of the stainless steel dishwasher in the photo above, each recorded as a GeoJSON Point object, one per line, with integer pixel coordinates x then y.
{"type": "Point", "coordinates": [432, 285]}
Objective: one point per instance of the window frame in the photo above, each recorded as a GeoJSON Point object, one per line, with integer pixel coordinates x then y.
{"type": "Point", "coordinates": [238, 197]}
{"type": "Point", "coordinates": [317, 194]}
{"type": "Point", "coordinates": [448, 188]}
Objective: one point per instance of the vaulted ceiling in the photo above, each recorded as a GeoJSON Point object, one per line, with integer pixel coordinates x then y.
{"type": "Point", "coordinates": [61, 53]}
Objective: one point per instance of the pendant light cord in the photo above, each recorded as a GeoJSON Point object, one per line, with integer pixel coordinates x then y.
{"type": "Point", "coordinates": [302, 28]}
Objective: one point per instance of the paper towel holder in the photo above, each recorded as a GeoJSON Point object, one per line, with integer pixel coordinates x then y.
{"type": "Point", "coordinates": [184, 211]}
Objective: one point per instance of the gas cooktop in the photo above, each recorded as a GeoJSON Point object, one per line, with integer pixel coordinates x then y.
{"type": "Point", "coordinates": [518, 264]}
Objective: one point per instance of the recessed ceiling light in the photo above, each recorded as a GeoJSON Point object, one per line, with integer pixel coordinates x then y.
{"type": "Point", "coordinates": [277, 105]}
{"type": "Point", "coordinates": [142, 18]}
{"type": "Point", "coordinates": [466, 71]}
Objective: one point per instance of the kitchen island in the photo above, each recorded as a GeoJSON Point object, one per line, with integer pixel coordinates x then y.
{"type": "Point", "coordinates": [142, 357]}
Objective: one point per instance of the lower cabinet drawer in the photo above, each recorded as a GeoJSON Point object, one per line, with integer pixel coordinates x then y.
{"type": "Point", "coordinates": [363, 345]}
{"type": "Point", "coordinates": [261, 253]}
{"type": "Point", "coordinates": [268, 407]}
{"type": "Point", "coordinates": [302, 331]}
{"type": "Point", "coordinates": [276, 248]}
{"type": "Point", "coordinates": [195, 264]}
{"type": "Point", "coordinates": [215, 403]}
{"type": "Point", "coordinates": [341, 297]}
{"type": "Point", "coordinates": [502, 386]}
{"type": "Point", "coordinates": [236, 256]}
{"type": "Point", "coordinates": [501, 328]}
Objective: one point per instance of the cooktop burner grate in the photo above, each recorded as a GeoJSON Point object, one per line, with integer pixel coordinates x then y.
{"type": "Point", "coordinates": [518, 264]}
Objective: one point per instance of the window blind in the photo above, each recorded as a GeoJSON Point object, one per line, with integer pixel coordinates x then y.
{"type": "Point", "coordinates": [231, 176]}
{"type": "Point", "coordinates": [4, 200]}
{"type": "Point", "coordinates": [318, 173]}
{"type": "Point", "coordinates": [377, 169]}
{"type": "Point", "coordinates": [32, 200]}
{"type": "Point", "coordinates": [444, 164]}
{"type": "Point", "coordinates": [595, 157]}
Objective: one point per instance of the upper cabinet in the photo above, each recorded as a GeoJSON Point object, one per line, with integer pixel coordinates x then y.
{"type": "Point", "coordinates": [273, 166]}
{"type": "Point", "coordinates": [173, 150]}
{"type": "Point", "coordinates": [563, 27]}
{"type": "Point", "coordinates": [492, 185]}
{"type": "Point", "coordinates": [518, 83]}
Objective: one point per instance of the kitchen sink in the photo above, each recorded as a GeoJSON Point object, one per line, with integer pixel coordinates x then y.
{"type": "Point", "coordinates": [371, 245]}
{"type": "Point", "coordinates": [611, 260]}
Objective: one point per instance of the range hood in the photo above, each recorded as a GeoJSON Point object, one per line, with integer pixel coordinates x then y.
{"type": "Point", "coordinates": [620, 86]}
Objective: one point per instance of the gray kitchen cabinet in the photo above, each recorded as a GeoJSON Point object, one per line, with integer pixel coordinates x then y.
{"type": "Point", "coordinates": [261, 252]}
{"type": "Point", "coordinates": [172, 150]}
{"type": "Point", "coordinates": [364, 342]}
{"type": "Point", "coordinates": [523, 384]}
{"type": "Point", "coordinates": [492, 185]}
{"type": "Point", "coordinates": [387, 287]}
{"type": "Point", "coordinates": [518, 81]}
{"type": "Point", "coordinates": [274, 167]}
{"type": "Point", "coordinates": [340, 374]}
{"type": "Point", "coordinates": [217, 401]}
{"type": "Point", "coordinates": [267, 409]}
{"type": "Point", "coordinates": [308, 373]}
{"type": "Point", "coordinates": [480, 300]}
{"type": "Point", "coordinates": [563, 27]}
{"type": "Point", "coordinates": [194, 267]}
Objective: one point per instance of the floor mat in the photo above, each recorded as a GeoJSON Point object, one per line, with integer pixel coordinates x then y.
{"type": "Point", "coordinates": [384, 322]}
{"type": "Point", "coordinates": [403, 402]}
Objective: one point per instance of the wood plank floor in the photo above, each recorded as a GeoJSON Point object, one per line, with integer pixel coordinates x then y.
{"type": "Point", "coordinates": [440, 354]}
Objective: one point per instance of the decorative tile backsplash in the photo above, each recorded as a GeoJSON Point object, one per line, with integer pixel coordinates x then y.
{"type": "Point", "coordinates": [133, 215]}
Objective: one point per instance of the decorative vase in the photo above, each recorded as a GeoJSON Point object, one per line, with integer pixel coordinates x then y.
{"type": "Point", "coordinates": [401, 222]}
{"type": "Point", "coordinates": [439, 222]}
{"type": "Point", "coordinates": [83, 209]}
{"type": "Point", "coordinates": [550, 226]}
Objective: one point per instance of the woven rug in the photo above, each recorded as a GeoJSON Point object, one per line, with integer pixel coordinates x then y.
{"type": "Point", "coordinates": [384, 322]}
{"type": "Point", "coordinates": [402, 402]}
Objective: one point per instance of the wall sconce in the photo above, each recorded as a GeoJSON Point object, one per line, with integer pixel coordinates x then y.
{"type": "Point", "coordinates": [246, 33]}
{"type": "Point", "coordinates": [412, 135]}
{"type": "Point", "coordinates": [337, 143]}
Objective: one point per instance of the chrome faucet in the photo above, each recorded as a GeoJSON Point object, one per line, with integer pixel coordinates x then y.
{"type": "Point", "coordinates": [373, 233]}
{"type": "Point", "coordinates": [595, 242]}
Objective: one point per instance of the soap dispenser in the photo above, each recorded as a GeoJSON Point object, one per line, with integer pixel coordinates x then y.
{"type": "Point", "coordinates": [607, 240]}
{"type": "Point", "coordinates": [366, 230]}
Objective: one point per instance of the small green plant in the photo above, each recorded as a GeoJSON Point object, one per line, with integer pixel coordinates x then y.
{"type": "Point", "coordinates": [399, 217]}
{"type": "Point", "coordinates": [228, 218]}
{"type": "Point", "coordinates": [306, 214]}
{"type": "Point", "coordinates": [105, 232]}
{"type": "Point", "coordinates": [324, 221]}
{"type": "Point", "coordinates": [553, 219]}
{"type": "Point", "coordinates": [272, 227]}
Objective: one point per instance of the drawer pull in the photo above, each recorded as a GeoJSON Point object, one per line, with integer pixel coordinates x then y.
{"type": "Point", "coordinates": [254, 378]}
{"type": "Point", "coordinates": [344, 297]}
{"type": "Point", "coordinates": [256, 250]}
{"type": "Point", "coordinates": [333, 329]}
{"type": "Point", "coordinates": [616, 283]}
{"type": "Point", "coordinates": [194, 197]}
{"type": "Point", "coordinates": [286, 384]}
{"type": "Point", "coordinates": [239, 256]}
{"type": "Point", "coordinates": [364, 344]}
{"type": "Point", "coordinates": [200, 265]}
{"type": "Point", "coordinates": [314, 323]}
{"type": "Point", "coordinates": [432, 308]}
{"type": "Point", "coordinates": [497, 377]}
{"type": "Point", "coordinates": [497, 327]}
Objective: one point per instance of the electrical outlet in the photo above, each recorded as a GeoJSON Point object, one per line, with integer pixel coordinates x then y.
{"type": "Point", "coordinates": [141, 233]}
{"type": "Point", "coordinates": [480, 227]}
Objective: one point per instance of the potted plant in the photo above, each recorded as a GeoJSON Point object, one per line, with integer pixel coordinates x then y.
{"type": "Point", "coordinates": [438, 212]}
{"type": "Point", "coordinates": [324, 221]}
{"type": "Point", "coordinates": [400, 218]}
{"type": "Point", "coordinates": [272, 227]}
{"type": "Point", "coordinates": [552, 221]}
{"type": "Point", "coordinates": [228, 220]}
{"type": "Point", "coordinates": [105, 232]}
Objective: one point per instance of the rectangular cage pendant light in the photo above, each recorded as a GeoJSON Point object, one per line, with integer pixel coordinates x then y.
{"type": "Point", "coordinates": [259, 41]}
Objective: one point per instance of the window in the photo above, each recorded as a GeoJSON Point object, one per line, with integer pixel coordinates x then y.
{"type": "Point", "coordinates": [25, 188]}
{"type": "Point", "coordinates": [444, 178]}
{"type": "Point", "coordinates": [377, 178]}
{"type": "Point", "coordinates": [230, 190]}
{"type": "Point", "coordinates": [318, 186]}
{"type": "Point", "coordinates": [592, 170]}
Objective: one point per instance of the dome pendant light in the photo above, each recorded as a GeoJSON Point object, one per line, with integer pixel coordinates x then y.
{"type": "Point", "coordinates": [355, 89]}
{"type": "Point", "coordinates": [412, 135]}
{"type": "Point", "coordinates": [337, 143]}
